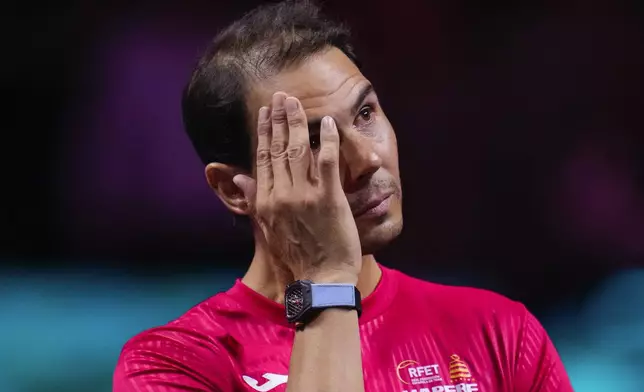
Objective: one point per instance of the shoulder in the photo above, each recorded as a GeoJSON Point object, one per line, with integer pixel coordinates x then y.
{"type": "Point", "coordinates": [201, 326]}
{"type": "Point", "coordinates": [459, 305]}
{"type": "Point", "coordinates": [187, 350]}
{"type": "Point", "coordinates": [470, 298]}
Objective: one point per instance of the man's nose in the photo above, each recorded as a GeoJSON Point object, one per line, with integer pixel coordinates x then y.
{"type": "Point", "coordinates": [360, 160]}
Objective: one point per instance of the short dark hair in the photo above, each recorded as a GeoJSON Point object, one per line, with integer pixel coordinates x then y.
{"type": "Point", "coordinates": [265, 40]}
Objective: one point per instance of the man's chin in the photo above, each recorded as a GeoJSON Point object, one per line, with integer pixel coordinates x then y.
{"type": "Point", "coordinates": [374, 237]}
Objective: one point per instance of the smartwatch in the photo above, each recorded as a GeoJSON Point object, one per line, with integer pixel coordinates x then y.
{"type": "Point", "coordinates": [304, 300]}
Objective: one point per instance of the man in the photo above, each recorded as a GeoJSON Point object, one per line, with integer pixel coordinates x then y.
{"type": "Point", "coordinates": [281, 88]}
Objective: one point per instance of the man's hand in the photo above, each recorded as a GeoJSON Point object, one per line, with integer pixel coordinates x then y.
{"type": "Point", "coordinates": [302, 209]}
{"type": "Point", "coordinates": [299, 201]}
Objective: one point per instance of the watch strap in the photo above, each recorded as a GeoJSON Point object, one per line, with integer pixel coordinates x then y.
{"type": "Point", "coordinates": [304, 300]}
{"type": "Point", "coordinates": [335, 295]}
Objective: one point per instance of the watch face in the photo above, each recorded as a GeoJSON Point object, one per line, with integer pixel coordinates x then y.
{"type": "Point", "coordinates": [294, 302]}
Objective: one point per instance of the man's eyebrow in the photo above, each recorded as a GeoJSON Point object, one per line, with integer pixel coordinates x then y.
{"type": "Point", "coordinates": [364, 93]}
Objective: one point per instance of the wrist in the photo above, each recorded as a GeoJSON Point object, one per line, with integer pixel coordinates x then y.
{"type": "Point", "coordinates": [346, 277]}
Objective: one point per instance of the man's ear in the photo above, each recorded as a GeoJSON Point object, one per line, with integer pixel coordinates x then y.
{"type": "Point", "coordinates": [220, 178]}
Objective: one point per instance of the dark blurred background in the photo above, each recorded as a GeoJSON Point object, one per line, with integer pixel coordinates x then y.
{"type": "Point", "coordinates": [521, 149]}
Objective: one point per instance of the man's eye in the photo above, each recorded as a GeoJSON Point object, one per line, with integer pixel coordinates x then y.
{"type": "Point", "coordinates": [365, 116]}
{"type": "Point", "coordinates": [314, 140]}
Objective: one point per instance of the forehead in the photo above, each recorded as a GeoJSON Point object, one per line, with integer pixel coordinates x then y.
{"type": "Point", "coordinates": [325, 83]}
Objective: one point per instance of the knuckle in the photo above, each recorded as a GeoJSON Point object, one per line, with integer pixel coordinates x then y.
{"type": "Point", "coordinates": [330, 137]}
{"type": "Point", "coordinates": [264, 128]}
{"type": "Point", "coordinates": [326, 163]}
{"type": "Point", "coordinates": [327, 157]}
{"type": "Point", "coordinates": [279, 116]}
{"type": "Point", "coordinates": [295, 120]}
{"type": "Point", "coordinates": [278, 149]}
{"type": "Point", "coordinates": [263, 157]}
{"type": "Point", "coordinates": [296, 152]}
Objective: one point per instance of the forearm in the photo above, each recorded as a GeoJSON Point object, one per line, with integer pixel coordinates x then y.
{"type": "Point", "coordinates": [326, 355]}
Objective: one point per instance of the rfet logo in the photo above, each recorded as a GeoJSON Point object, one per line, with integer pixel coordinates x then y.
{"type": "Point", "coordinates": [413, 373]}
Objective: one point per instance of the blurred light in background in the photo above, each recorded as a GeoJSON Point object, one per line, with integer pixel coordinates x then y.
{"type": "Point", "coordinates": [66, 330]}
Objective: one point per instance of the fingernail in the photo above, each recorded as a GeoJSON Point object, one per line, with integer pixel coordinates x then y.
{"type": "Point", "coordinates": [278, 99]}
{"type": "Point", "coordinates": [263, 114]}
{"type": "Point", "coordinates": [328, 121]}
{"type": "Point", "coordinates": [291, 104]}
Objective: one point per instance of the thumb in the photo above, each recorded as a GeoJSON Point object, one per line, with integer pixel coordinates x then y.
{"type": "Point", "coordinates": [247, 185]}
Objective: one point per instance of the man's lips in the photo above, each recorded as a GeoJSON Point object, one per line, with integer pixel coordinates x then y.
{"type": "Point", "coordinates": [372, 203]}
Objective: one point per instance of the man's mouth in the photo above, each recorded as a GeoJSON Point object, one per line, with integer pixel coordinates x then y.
{"type": "Point", "coordinates": [372, 204]}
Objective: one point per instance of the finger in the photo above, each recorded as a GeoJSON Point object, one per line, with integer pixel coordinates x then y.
{"type": "Point", "coordinates": [279, 143]}
{"type": "Point", "coordinates": [263, 155]}
{"type": "Point", "coordinates": [248, 187]}
{"type": "Point", "coordinates": [329, 155]}
{"type": "Point", "coordinates": [299, 149]}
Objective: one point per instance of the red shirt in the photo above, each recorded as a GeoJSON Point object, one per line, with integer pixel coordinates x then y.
{"type": "Point", "coordinates": [416, 336]}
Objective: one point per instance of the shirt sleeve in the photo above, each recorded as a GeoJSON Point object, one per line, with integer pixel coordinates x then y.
{"type": "Point", "coordinates": [172, 361]}
{"type": "Point", "coordinates": [539, 367]}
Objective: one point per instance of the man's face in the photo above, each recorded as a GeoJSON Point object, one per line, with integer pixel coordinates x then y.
{"type": "Point", "coordinates": [330, 84]}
